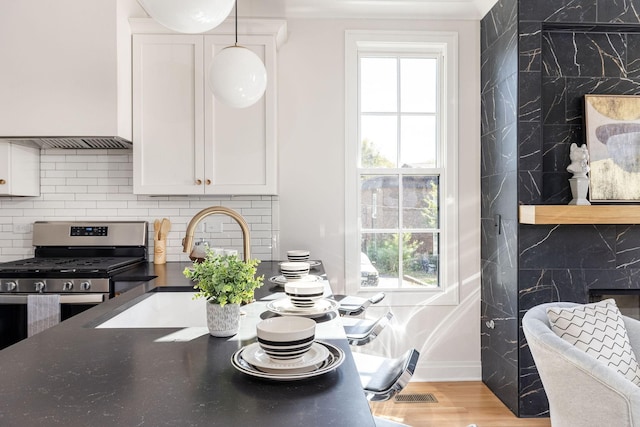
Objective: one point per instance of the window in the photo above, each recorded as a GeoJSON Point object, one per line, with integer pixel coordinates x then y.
{"type": "Point", "coordinates": [401, 156]}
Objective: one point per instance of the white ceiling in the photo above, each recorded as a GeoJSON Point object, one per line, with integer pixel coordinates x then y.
{"type": "Point", "coordinates": [370, 9]}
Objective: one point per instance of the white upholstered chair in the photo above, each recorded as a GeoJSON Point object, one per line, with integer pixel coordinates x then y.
{"type": "Point", "coordinates": [582, 391]}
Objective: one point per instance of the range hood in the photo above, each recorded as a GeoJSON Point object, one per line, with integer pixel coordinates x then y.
{"type": "Point", "coordinates": [71, 142]}
{"type": "Point", "coordinates": [66, 74]}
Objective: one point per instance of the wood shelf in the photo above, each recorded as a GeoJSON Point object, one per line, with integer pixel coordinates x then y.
{"type": "Point", "coordinates": [572, 214]}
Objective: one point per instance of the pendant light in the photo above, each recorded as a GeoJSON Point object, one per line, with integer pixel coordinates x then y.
{"type": "Point", "coordinates": [237, 77]}
{"type": "Point", "coordinates": [188, 16]}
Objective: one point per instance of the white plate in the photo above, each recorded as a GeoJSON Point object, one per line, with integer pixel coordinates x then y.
{"type": "Point", "coordinates": [255, 355]}
{"type": "Point", "coordinates": [335, 359]}
{"type": "Point", "coordinates": [314, 264]}
{"type": "Point", "coordinates": [281, 280]}
{"type": "Point", "coordinates": [285, 307]}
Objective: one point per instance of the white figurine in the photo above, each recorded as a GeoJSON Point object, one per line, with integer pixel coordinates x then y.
{"type": "Point", "coordinates": [579, 161]}
{"type": "Point", "coordinates": [579, 167]}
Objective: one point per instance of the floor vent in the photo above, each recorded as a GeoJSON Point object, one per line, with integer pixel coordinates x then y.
{"type": "Point", "coordinates": [416, 398]}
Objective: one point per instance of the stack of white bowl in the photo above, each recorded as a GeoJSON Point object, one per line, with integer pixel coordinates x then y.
{"type": "Point", "coordinates": [298, 255]}
{"type": "Point", "coordinates": [294, 270]}
{"type": "Point", "coordinates": [286, 338]}
{"type": "Point", "coordinates": [304, 294]}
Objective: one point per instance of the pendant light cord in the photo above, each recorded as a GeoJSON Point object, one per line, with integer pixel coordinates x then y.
{"type": "Point", "coordinates": [236, 22]}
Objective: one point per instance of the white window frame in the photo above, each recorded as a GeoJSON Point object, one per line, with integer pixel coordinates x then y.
{"type": "Point", "coordinates": [446, 45]}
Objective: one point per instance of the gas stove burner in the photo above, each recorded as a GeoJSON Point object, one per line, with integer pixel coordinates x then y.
{"type": "Point", "coordinates": [69, 264]}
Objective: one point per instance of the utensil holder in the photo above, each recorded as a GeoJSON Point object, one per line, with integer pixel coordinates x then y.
{"type": "Point", "coordinates": [159, 251]}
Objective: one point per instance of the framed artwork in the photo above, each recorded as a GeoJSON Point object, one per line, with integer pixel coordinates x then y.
{"type": "Point", "coordinates": [612, 128]}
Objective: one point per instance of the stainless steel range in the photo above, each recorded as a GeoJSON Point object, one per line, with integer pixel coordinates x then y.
{"type": "Point", "coordinates": [75, 259]}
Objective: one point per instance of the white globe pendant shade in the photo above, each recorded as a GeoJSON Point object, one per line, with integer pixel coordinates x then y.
{"type": "Point", "coordinates": [188, 16]}
{"type": "Point", "coordinates": [237, 77]}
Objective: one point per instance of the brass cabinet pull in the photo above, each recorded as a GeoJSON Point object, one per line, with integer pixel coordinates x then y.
{"type": "Point", "coordinates": [2, 181]}
{"type": "Point", "coordinates": [199, 181]}
{"type": "Point", "coordinates": [208, 182]}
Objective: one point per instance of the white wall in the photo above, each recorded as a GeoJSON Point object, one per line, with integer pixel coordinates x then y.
{"type": "Point", "coordinates": [312, 191]}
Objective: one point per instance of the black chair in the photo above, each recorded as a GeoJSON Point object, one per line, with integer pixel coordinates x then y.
{"type": "Point", "coordinates": [354, 306]}
{"type": "Point", "coordinates": [381, 377]}
{"type": "Point", "coordinates": [363, 331]}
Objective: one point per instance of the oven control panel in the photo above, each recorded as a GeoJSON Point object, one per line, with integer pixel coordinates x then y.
{"type": "Point", "coordinates": [61, 286]}
{"type": "Point", "coordinates": [89, 231]}
{"type": "Point", "coordinates": [118, 234]}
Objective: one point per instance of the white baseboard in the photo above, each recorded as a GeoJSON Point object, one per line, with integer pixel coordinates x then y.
{"type": "Point", "coordinates": [447, 371]}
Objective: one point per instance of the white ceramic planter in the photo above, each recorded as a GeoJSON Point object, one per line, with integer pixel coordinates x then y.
{"type": "Point", "coordinates": [223, 321]}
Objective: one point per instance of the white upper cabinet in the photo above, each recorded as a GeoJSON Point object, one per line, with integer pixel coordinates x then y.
{"type": "Point", "coordinates": [19, 170]}
{"type": "Point", "coordinates": [65, 68]}
{"type": "Point", "coordinates": [184, 140]}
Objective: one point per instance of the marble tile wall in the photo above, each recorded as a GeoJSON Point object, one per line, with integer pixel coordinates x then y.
{"type": "Point", "coordinates": [499, 202]}
{"type": "Point", "coordinates": [564, 49]}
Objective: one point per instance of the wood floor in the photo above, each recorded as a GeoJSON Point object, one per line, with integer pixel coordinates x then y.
{"type": "Point", "coordinates": [459, 404]}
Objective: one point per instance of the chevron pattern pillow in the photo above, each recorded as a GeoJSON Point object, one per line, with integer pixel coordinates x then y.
{"type": "Point", "coordinates": [598, 330]}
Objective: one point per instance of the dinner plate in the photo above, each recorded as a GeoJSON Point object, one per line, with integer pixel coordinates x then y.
{"type": "Point", "coordinates": [281, 280]}
{"type": "Point", "coordinates": [285, 307]}
{"type": "Point", "coordinates": [333, 360]}
{"type": "Point", "coordinates": [256, 356]}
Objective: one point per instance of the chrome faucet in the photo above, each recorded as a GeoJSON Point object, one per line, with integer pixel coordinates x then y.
{"type": "Point", "coordinates": [187, 242]}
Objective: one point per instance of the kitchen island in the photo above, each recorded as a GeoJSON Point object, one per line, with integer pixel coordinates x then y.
{"type": "Point", "coordinates": [77, 374]}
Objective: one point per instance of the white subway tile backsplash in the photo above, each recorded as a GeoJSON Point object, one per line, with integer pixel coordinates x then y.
{"type": "Point", "coordinates": [46, 167]}
{"type": "Point", "coordinates": [81, 204]}
{"type": "Point", "coordinates": [46, 205]}
{"type": "Point", "coordinates": [101, 166]}
{"type": "Point", "coordinates": [52, 158]}
{"type": "Point", "coordinates": [102, 214]}
{"type": "Point", "coordinates": [71, 189]}
{"type": "Point", "coordinates": [137, 212]}
{"type": "Point", "coordinates": [104, 188]}
{"type": "Point", "coordinates": [92, 173]}
{"type": "Point", "coordinates": [121, 196]}
{"type": "Point", "coordinates": [110, 204]}
{"type": "Point", "coordinates": [113, 181]}
{"type": "Point", "coordinates": [10, 212]}
{"type": "Point", "coordinates": [56, 173]}
{"type": "Point", "coordinates": [82, 181]}
{"type": "Point", "coordinates": [163, 212]}
{"type": "Point", "coordinates": [48, 197]}
{"type": "Point", "coordinates": [67, 165]}
{"type": "Point", "coordinates": [69, 213]}
{"type": "Point", "coordinates": [54, 181]}
{"type": "Point", "coordinates": [97, 185]}
{"type": "Point", "coordinates": [90, 196]}
{"type": "Point", "coordinates": [86, 158]}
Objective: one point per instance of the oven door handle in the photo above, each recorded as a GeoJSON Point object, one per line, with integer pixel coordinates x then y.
{"type": "Point", "coordinates": [64, 299]}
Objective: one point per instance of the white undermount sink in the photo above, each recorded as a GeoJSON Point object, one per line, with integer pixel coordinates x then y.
{"type": "Point", "coordinates": [162, 310]}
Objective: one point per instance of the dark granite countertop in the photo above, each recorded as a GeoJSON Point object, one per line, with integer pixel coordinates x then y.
{"type": "Point", "coordinates": [76, 375]}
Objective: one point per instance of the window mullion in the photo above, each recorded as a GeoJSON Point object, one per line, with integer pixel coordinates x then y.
{"type": "Point", "coordinates": [399, 165]}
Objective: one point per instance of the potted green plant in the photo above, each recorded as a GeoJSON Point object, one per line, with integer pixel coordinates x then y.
{"type": "Point", "coordinates": [225, 281]}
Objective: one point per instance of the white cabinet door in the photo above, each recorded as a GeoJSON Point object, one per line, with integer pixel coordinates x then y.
{"type": "Point", "coordinates": [240, 149]}
{"type": "Point", "coordinates": [168, 126]}
{"type": "Point", "coordinates": [186, 142]}
{"type": "Point", "coordinates": [19, 170]}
